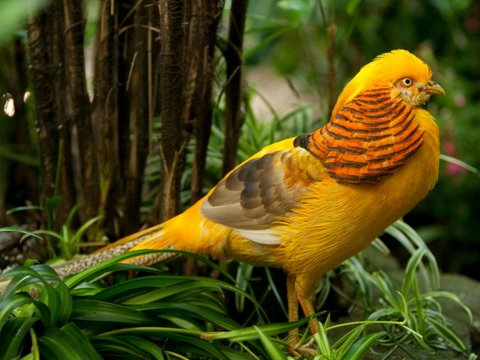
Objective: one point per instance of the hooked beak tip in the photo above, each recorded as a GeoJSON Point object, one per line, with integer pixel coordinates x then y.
{"type": "Point", "coordinates": [433, 88]}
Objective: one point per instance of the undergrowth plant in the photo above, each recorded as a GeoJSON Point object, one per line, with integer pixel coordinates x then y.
{"type": "Point", "coordinates": [62, 241]}
{"type": "Point", "coordinates": [158, 316]}
{"type": "Point", "coordinates": [161, 315]}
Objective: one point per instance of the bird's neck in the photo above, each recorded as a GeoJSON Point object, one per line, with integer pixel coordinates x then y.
{"type": "Point", "coordinates": [367, 139]}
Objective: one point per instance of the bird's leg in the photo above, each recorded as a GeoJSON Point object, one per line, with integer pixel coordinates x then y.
{"type": "Point", "coordinates": [306, 302]}
{"type": "Point", "coordinates": [296, 294]}
{"type": "Point", "coordinates": [292, 305]}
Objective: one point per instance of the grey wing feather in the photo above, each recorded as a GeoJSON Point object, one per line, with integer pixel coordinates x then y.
{"type": "Point", "coordinates": [254, 195]}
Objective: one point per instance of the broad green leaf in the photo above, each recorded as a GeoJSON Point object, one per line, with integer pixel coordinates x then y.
{"type": "Point", "coordinates": [67, 343]}
{"type": "Point", "coordinates": [133, 346]}
{"type": "Point", "coordinates": [9, 304]}
{"type": "Point", "coordinates": [12, 336]}
{"type": "Point", "coordinates": [91, 310]}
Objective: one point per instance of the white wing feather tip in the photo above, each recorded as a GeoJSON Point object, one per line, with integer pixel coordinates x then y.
{"type": "Point", "coordinates": [264, 237]}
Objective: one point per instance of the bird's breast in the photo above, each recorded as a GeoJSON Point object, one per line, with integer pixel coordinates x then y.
{"type": "Point", "coordinates": [335, 221]}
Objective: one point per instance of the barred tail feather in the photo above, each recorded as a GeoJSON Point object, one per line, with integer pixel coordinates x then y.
{"type": "Point", "coordinates": [132, 242]}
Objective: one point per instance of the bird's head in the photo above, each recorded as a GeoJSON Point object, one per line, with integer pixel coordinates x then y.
{"type": "Point", "coordinates": [407, 77]}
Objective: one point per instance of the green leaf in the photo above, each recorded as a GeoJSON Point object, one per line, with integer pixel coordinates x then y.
{"type": "Point", "coordinates": [276, 292]}
{"type": "Point", "coordinates": [118, 349]}
{"type": "Point", "coordinates": [187, 310]}
{"type": "Point", "coordinates": [105, 267]}
{"type": "Point", "coordinates": [250, 333]}
{"type": "Point", "coordinates": [321, 338]}
{"type": "Point", "coordinates": [18, 230]}
{"type": "Point", "coordinates": [15, 13]}
{"type": "Point", "coordinates": [134, 346]}
{"type": "Point", "coordinates": [272, 349]}
{"type": "Point", "coordinates": [79, 233]}
{"type": "Point", "coordinates": [447, 334]}
{"type": "Point", "coordinates": [12, 336]}
{"type": "Point", "coordinates": [458, 162]}
{"type": "Point", "coordinates": [345, 342]}
{"type": "Point", "coordinates": [414, 238]}
{"type": "Point", "coordinates": [361, 346]}
{"type": "Point", "coordinates": [92, 310]}
{"type": "Point", "coordinates": [297, 11]}
{"type": "Point", "coordinates": [53, 202]}
{"type": "Point", "coordinates": [190, 344]}
{"type": "Point", "coordinates": [9, 304]}
{"type": "Point", "coordinates": [452, 297]}
{"type": "Point", "coordinates": [244, 272]}
{"type": "Point", "coordinates": [67, 343]}
{"type": "Point", "coordinates": [410, 278]}
{"type": "Point", "coordinates": [352, 6]}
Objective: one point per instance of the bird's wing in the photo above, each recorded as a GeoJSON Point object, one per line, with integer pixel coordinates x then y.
{"type": "Point", "coordinates": [254, 196]}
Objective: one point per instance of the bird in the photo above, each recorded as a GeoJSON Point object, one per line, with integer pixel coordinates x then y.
{"type": "Point", "coordinates": [307, 203]}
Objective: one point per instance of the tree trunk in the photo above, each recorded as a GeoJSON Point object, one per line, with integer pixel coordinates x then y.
{"type": "Point", "coordinates": [43, 69]}
{"type": "Point", "coordinates": [171, 87]}
{"type": "Point", "coordinates": [79, 109]}
{"type": "Point", "coordinates": [234, 117]}
{"type": "Point", "coordinates": [204, 18]}
{"type": "Point", "coordinates": [139, 89]}
{"type": "Point", "coordinates": [105, 112]}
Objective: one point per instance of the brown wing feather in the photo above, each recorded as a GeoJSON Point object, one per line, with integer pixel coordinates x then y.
{"type": "Point", "coordinates": [254, 195]}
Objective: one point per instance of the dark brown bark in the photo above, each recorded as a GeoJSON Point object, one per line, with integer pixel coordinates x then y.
{"type": "Point", "coordinates": [42, 71]}
{"type": "Point", "coordinates": [79, 109]}
{"type": "Point", "coordinates": [204, 17]}
{"type": "Point", "coordinates": [139, 91]}
{"type": "Point", "coordinates": [63, 110]}
{"type": "Point", "coordinates": [105, 143]}
{"type": "Point", "coordinates": [234, 117]}
{"type": "Point", "coordinates": [171, 87]}
{"type": "Point", "coordinates": [105, 112]}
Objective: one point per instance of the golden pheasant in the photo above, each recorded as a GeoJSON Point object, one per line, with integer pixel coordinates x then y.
{"type": "Point", "coordinates": [306, 204]}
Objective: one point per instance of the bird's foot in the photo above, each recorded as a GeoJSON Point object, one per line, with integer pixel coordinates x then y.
{"type": "Point", "coordinates": [298, 348]}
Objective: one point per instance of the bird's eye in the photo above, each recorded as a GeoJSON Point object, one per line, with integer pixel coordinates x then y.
{"type": "Point", "coordinates": [407, 82]}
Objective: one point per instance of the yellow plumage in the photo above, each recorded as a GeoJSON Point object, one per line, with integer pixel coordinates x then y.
{"type": "Point", "coordinates": [306, 204]}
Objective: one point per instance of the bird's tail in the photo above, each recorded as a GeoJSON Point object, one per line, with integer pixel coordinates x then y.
{"type": "Point", "coordinates": [119, 247]}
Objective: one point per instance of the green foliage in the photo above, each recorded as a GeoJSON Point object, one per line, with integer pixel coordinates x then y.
{"type": "Point", "coordinates": [14, 13]}
{"type": "Point", "coordinates": [156, 316]}
{"type": "Point", "coordinates": [162, 315]}
{"type": "Point", "coordinates": [63, 242]}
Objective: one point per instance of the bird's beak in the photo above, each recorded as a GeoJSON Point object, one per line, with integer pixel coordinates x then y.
{"type": "Point", "coordinates": [432, 88]}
